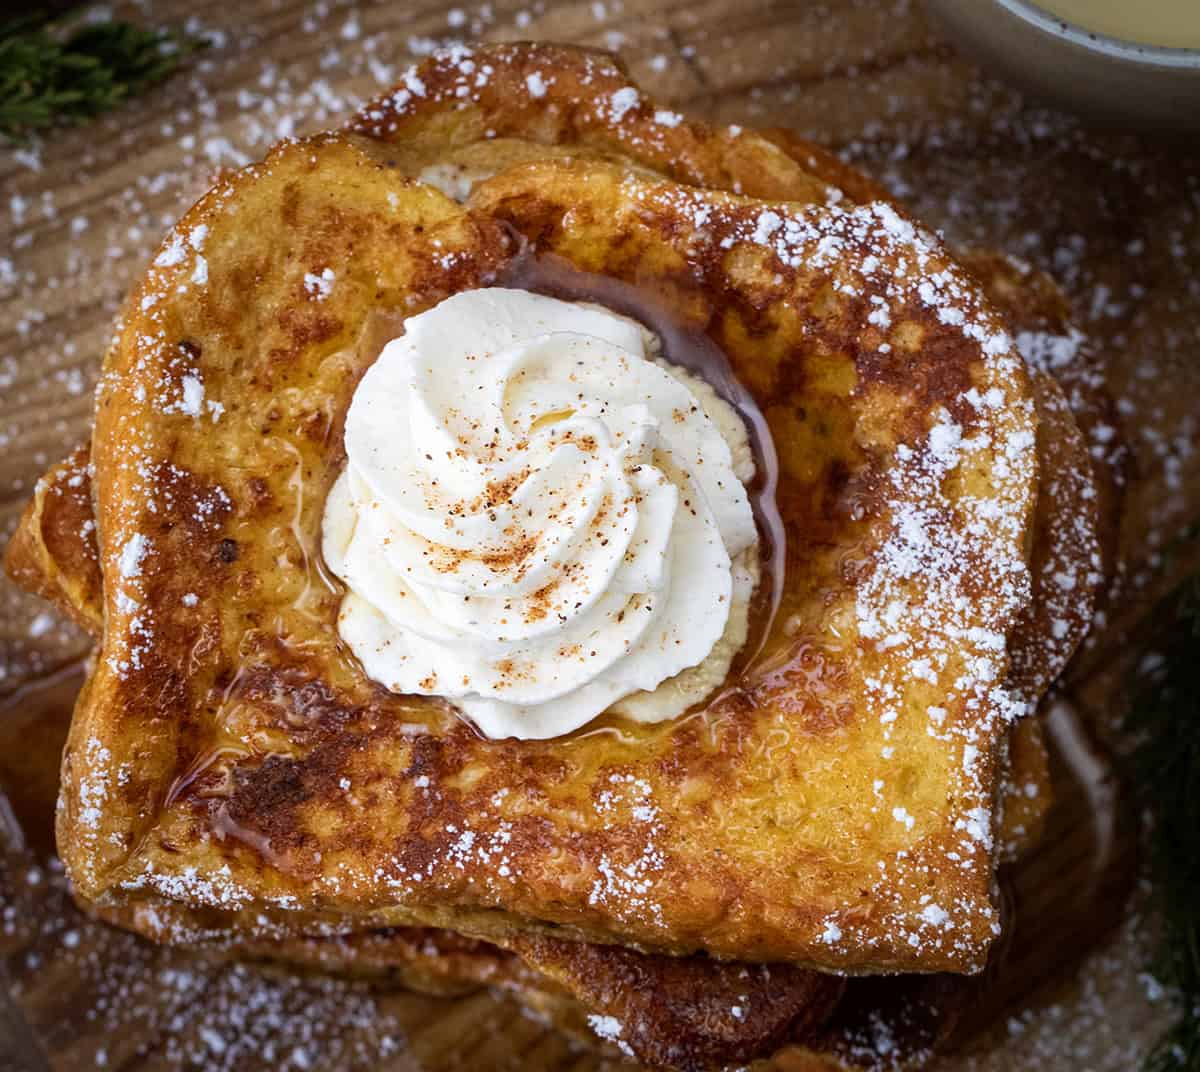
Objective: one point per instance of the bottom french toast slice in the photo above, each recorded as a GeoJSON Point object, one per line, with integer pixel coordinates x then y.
{"type": "Point", "coordinates": [689, 1013]}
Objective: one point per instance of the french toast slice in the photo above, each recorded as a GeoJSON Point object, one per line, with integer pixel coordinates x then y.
{"type": "Point", "coordinates": [470, 111]}
{"type": "Point", "coordinates": [690, 1013]}
{"type": "Point", "coordinates": [225, 549]}
{"type": "Point", "coordinates": [760, 877]}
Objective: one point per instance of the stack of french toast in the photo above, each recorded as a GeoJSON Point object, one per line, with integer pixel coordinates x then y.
{"type": "Point", "coordinates": [805, 855]}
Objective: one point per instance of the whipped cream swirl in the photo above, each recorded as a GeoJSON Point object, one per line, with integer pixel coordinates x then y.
{"type": "Point", "coordinates": [538, 520]}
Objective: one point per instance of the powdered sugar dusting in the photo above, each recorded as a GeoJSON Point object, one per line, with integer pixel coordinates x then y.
{"type": "Point", "coordinates": [319, 284]}
{"type": "Point", "coordinates": [608, 1028]}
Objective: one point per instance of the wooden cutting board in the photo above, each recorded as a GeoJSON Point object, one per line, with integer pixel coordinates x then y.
{"type": "Point", "coordinates": [1114, 218]}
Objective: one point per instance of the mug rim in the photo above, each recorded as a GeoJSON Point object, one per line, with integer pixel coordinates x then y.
{"type": "Point", "coordinates": [1102, 43]}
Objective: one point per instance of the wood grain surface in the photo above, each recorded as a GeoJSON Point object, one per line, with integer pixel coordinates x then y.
{"type": "Point", "coordinates": [1115, 218]}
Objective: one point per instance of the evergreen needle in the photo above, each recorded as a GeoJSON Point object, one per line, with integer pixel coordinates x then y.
{"type": "Point", "coordinates": [1165, 773]}
{"type": "Point", "coordinates": [52, 74]}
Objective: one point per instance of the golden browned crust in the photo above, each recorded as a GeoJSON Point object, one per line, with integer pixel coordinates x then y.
{"type": "Point", "coordinates": [53, 551]}
{"type": "Point", "coordinates": [685, 1012]}
{"type": "Point", "coordinates": [583, 102]}
{"type": "Point", "coordinates": [1041, 316]}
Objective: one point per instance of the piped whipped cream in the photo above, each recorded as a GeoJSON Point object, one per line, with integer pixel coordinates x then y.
{"type": "Point", "coordinates": [538, 520]}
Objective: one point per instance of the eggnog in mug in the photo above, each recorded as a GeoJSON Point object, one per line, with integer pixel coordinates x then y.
{"type": "Point", "coordinates": [1167, 23]}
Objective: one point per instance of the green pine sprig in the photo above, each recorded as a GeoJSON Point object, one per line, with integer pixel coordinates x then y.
{"type": "Point", "coordinates": [53, 73]}
{"type": "Point", "coordinates": [1165, 773]}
